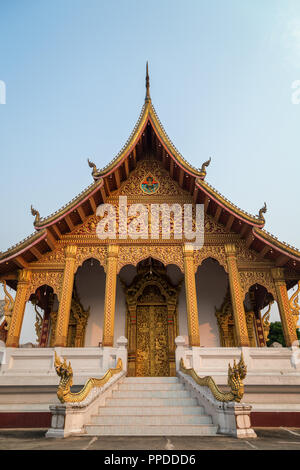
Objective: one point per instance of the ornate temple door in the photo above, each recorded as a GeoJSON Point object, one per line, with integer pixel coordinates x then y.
{"type": "Point", "coordinates": [152, 351]}
{"type": "Point", "coordinates": [151, 324]}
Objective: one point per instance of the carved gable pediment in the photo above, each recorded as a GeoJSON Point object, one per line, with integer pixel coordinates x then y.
{"type": "Point", "coordinates": [166, 186]}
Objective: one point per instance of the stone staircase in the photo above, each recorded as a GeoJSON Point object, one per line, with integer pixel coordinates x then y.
{"type": "Point", "coordinates": [151, 406]}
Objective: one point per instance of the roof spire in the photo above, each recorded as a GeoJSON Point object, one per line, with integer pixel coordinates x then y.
{"type": "Point", "coordinates": [147, 84]}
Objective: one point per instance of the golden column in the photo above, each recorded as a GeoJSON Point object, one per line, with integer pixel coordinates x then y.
{"type": "Point", "coordinates": [63, 316]}
{"type": "Point", "coordinates": [237, 296]}
{"type": "Point", "coordinates": [288, 323]}
{"type": "Point", "coordinates": [191, 296]}
{"type": "Point", "coordinates": [110, 295]}
{"type": "Point", "coordinates": [18, 310]}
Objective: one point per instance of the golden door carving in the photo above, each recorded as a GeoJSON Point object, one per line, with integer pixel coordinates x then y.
{"type": "Point", "coordinates": [152, 351]}
{"type": "Point", "coordinates": [152, 324]}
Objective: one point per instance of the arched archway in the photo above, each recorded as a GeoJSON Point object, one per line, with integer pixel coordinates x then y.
{"type": "Point", "coordinates": [36, 326]}
{"type": "Point", "coordinates": [258, 324]}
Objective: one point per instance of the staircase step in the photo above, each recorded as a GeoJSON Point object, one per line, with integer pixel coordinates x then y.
{"type": "Point", "coordinates": [151, 406]}
{"type": "Point", "coordinates": [158, 420]}
{"type": "Point", "coordinates": [156, 430]}
{"type": "Point", "coordinates": [145, 402]}
{"type": "Point", "coordinates": [150, 394]}
{"type": "Point", "coordinates": [150, 410]}
{"type": "Point", "coordinates": [150, 386]}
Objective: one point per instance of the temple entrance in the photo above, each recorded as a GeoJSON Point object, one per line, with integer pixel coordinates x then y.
{"type": "Point", "coordinates": [151, 322]}
{"type": "Point", "coordinates": [152, 351]}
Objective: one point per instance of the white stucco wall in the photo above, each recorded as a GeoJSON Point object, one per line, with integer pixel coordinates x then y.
{"type": "Point", "coordinates": [90, 283]}
{"type": "Point", "coordinates": [211, 285]}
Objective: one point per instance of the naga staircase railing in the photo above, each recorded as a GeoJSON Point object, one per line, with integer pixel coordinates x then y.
{"type": "Point", "coordinates": [236, 375]}
{"type": "Point", "coordinates": [65, 372]}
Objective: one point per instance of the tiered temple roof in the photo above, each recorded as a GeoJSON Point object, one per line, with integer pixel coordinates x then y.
{"type": "Point", "coordinates": [147, 138]}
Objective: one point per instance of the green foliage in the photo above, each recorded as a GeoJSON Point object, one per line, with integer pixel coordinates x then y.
{"type": "Point", "coordinates": [276, 334]}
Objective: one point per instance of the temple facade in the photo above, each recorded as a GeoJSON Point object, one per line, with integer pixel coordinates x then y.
{"type": "Point", "coordinates": [89, 290]}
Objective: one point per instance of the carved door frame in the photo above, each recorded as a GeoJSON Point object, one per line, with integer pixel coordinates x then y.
{"type": "Point", "coordinates": [133, 293]}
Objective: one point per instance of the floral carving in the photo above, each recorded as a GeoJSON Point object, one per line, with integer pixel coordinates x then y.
{"type": "Point", "coordinates": [210, 251]}
{"type": "Point", "coordinates": [86, 252]}
{"type": "Point", "coordinates": [166, 254]}
{"type": "Point", "coordinates": [264, 278]}
{"type": "Point", "coordinates": [50, 278]}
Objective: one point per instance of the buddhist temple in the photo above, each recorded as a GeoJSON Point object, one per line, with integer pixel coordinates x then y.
{"type": "Point", "coordinates": [157, 298]}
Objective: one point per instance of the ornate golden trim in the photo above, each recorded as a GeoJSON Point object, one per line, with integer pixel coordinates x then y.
{"type": "Point", "coordinates": [278, 244]}
{"type": "Point", "coordinates": [295, 307]}
{"type": "Point", "coordinates": [287, 320]}
{"type": "Point", "coordinates": [166, 254]}
{"type": "Point", "coordinates": [8, 306]}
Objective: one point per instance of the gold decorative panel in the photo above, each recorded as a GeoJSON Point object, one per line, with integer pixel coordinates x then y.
{"type": "Point", "coordinates": [152, 341]}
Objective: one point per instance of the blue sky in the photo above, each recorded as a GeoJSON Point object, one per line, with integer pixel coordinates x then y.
{"type": "Point", "coordinates": [221, 75]}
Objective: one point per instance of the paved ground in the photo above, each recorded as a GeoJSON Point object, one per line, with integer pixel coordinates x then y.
{"type": "Point", "coordinates": [268, 439]}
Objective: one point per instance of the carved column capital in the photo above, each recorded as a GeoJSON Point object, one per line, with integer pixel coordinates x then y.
{"type": "Point", "coordinates": [71, 251]}
{"type": "Point", "coordinates": [278, 274]}
{"type": "Point", "coordinates": [188, 250]}
{"type": "Point", "coordinates": [24, 276]}
{"type": "Point", "coordinates": [230, 249]}
{"type": "Point", "coordinates": [113, 251]}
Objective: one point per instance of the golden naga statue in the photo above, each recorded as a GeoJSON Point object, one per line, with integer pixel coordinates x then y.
{"type": "Point", "coordinates": [65, 372]}
{"type": "Point", "coordinates": [236, 375]}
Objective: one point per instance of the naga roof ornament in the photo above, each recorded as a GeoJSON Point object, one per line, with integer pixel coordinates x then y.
{"type": "Point", "coordinates": [203, 168]}
{"type": "Point", "coordinates": [95, 171]}
{"type": "Point", "coordinates": [35, 213]}
{"type": "Point", "coordinates": [262, 211]}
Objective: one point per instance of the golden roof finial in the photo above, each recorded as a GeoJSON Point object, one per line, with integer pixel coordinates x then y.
{"type": "Point", "coordinates": [147, 84]}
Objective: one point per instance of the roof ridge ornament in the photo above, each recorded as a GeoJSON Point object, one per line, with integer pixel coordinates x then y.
{"type": "Point", "coordinates": [147, 98]}
{"type": "Point", "coordinates": [261, 212]}
{"type": "Point", "coordinates": [203, 168]}
{"type": "Point", "coordinates": [95, 172]}
{"type": "Point", "coordinates": [35, 213]}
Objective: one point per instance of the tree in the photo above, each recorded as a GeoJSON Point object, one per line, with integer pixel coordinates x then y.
{"type": "Point", "coordinates": [276, 334]}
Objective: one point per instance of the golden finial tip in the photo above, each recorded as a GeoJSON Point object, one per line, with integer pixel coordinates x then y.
{"type": "Point", "coordinates": [147, 83]}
